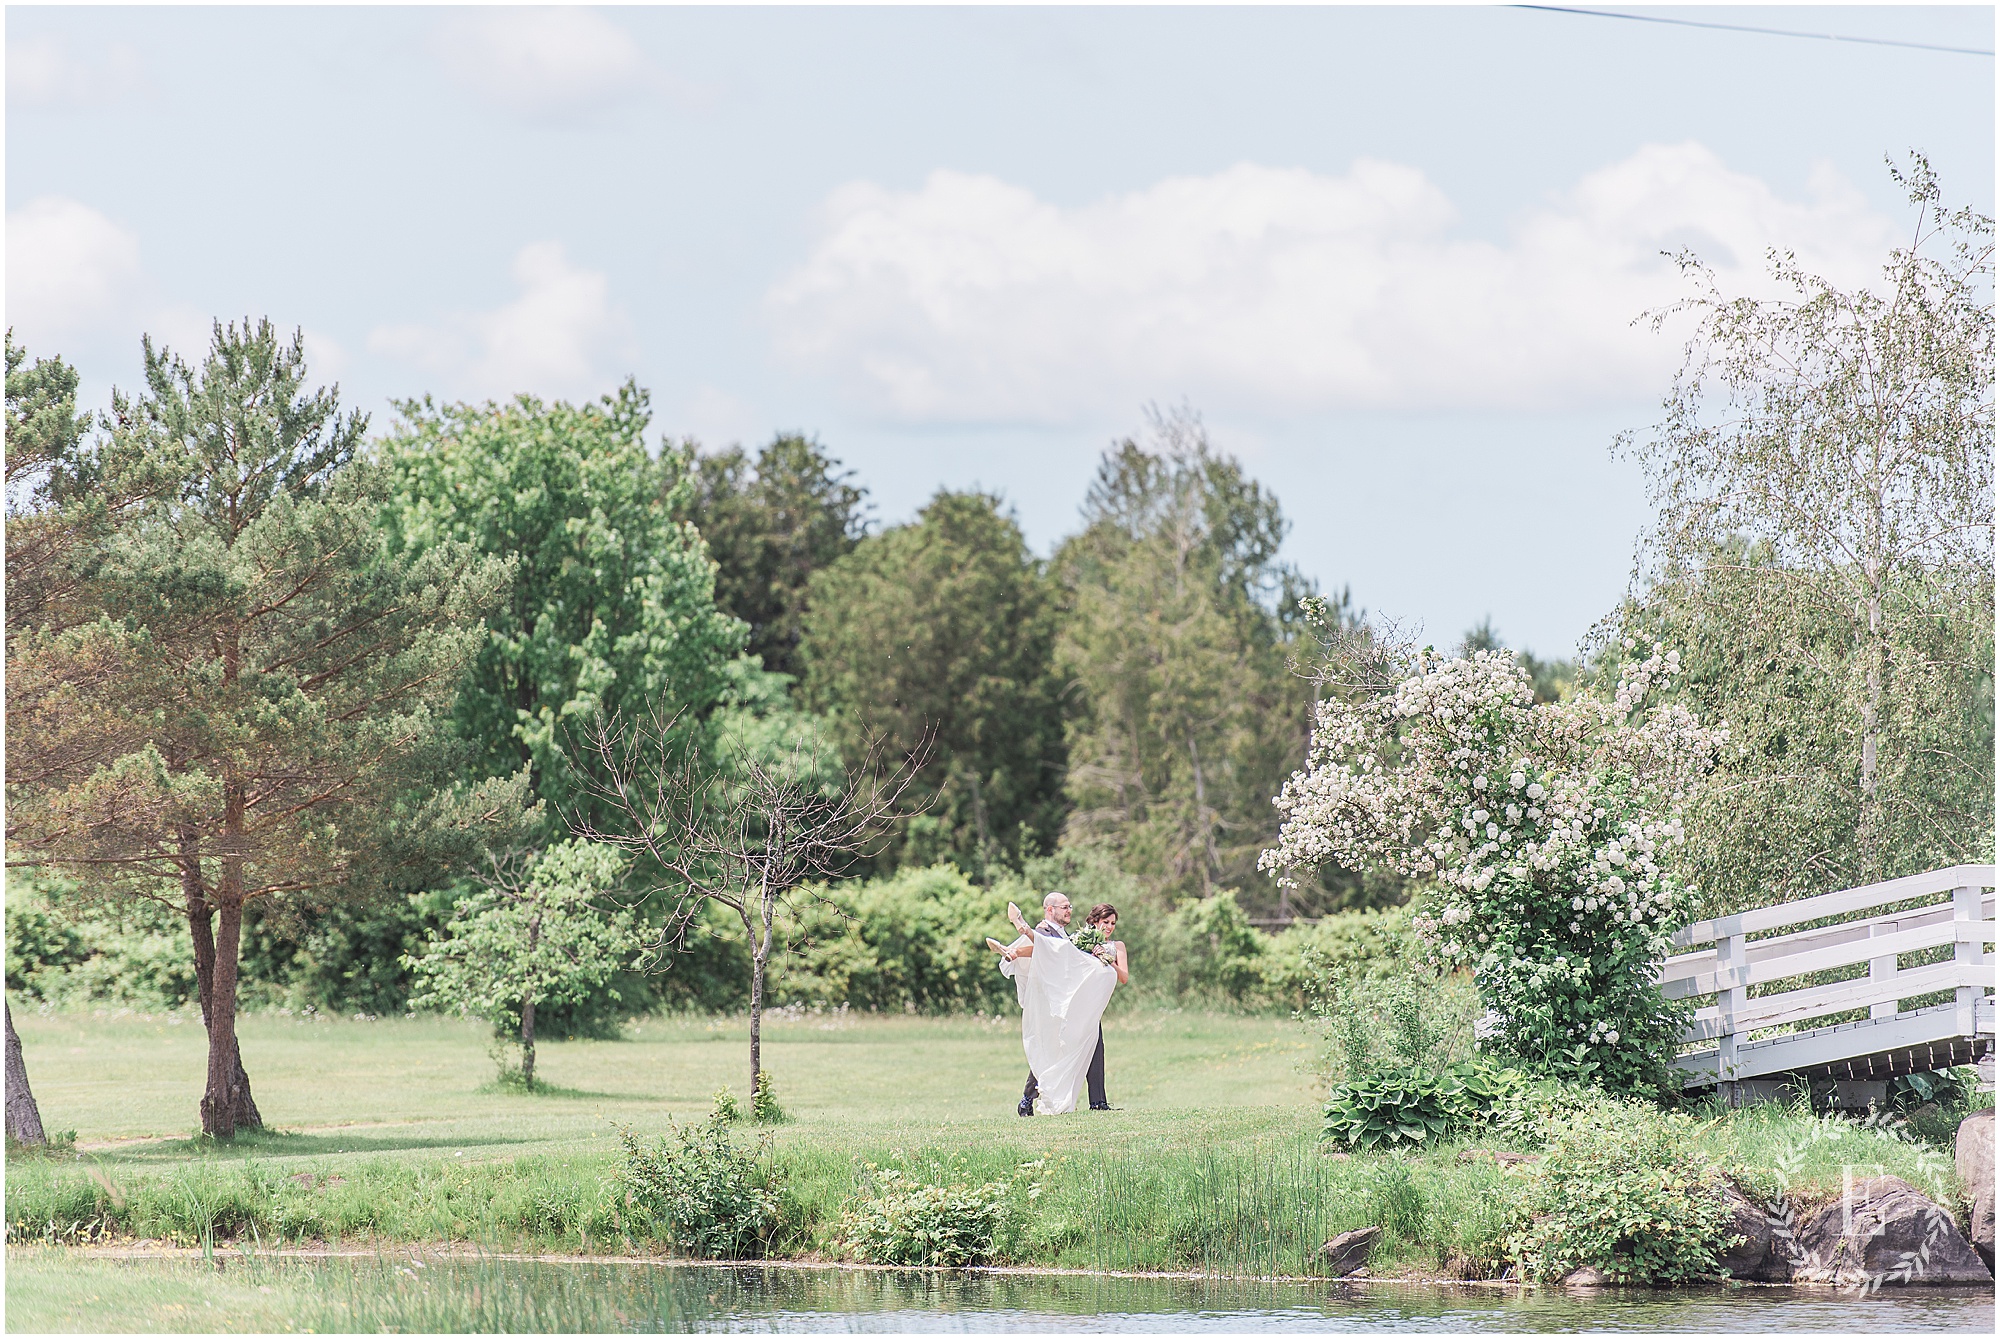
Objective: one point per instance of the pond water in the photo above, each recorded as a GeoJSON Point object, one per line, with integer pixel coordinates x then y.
{"type": "Point", "coordinates": [486, 1295]}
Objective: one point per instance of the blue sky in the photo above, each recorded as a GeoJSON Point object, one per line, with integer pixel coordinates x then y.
{"type": "Point", "coordinates": [1391, 254]}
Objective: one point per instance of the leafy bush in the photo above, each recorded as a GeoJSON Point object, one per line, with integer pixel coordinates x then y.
{"type": "Point", "coordinates": [915, 941]}
{"type": "Point", "coordinates": [764, 1108]}
{"type": "Point", "coordinates": [1624, 1189]}
{"type": "Point", "coordinates": [1308, 957]}
{"type": "Point", "coordinates": [1551, 831]}
{"type": "Point", "coordinates": [1413, 1105]}
{"type": "Point", "coordinates": [898, 1221]}
{"type": "Point", "coordinates": [709, 1197]}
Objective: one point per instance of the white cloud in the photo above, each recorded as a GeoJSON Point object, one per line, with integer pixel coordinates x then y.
{"type": "Point", "coordinates": [1262, 289]}
{"type": "Point", "coordinates": [557, 338]}
{"type": "Point", "coordinates": [544, 64]}
{"type": "Point", "coordinates": [41, 72]}
{"type": "Point", "coordinates": [70, 270]}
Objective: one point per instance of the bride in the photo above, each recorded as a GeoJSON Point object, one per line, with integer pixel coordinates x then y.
{"type": "Point", "coordinates": [1063, 990]}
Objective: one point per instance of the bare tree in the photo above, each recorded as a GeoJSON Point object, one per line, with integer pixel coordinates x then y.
{"type": "Point", "coordinates": [746, 836]}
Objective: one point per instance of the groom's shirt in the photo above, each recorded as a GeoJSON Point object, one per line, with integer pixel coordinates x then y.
{"type": "Point", "coordinates": [1051, 928]}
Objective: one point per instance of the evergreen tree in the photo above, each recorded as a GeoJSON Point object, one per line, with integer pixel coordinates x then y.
{"type": "Point", "coordinates": [941, 634]}
{"type": "Point", "coordinates": [1180, 626]}
{"type": "Point", "coordinates": [769, 528]}
{"type": "Point", "coordinates": [273, 731]}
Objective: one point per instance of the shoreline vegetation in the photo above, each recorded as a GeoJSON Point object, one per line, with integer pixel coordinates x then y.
{"type": "Point", "coordinates": [1214, 1166]}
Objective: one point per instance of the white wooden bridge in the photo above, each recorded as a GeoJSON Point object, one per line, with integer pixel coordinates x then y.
{"type": "Point", "coordinates": [1751, 1043]}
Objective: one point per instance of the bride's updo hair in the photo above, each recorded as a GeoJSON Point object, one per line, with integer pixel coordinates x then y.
{"type": "Point", "coordinates": [1103, 911]}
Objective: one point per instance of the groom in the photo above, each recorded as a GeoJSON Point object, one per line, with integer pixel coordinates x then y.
{"type": "Point", "coordinates": [1056, 913]}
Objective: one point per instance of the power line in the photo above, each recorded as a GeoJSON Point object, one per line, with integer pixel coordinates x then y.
{"type": "Point", "coordinates": [1768, 32]}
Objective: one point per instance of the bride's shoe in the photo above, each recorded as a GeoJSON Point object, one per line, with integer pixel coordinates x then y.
{"type": "Point", "coordinates": [1020, 921]}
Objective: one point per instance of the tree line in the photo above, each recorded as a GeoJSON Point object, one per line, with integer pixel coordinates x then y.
{"type": "Point", "coordinates": [290, 684]}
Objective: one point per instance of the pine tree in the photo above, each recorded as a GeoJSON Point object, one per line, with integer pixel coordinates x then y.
{"type": "Point", "coordinates": [274, 732]}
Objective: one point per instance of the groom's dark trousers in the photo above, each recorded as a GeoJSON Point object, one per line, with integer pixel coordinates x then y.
{"type": "Point", "coordinates": [1093, 1077]}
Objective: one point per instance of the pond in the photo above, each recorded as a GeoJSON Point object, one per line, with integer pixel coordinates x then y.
{"type": "Point", "coordinates": [491, 1294]}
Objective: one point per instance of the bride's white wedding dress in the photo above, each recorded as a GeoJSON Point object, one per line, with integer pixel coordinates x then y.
{"type": "Point", "coordinates": [1063, 991]}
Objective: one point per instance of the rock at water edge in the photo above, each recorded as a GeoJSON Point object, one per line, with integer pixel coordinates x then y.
{"type": "Point", "coordinates": [1883, 1233]}
{"type": "Point", "coordinates": [1349, 1251]}
{"type": "Point", "coordinates": [1975, 1168]}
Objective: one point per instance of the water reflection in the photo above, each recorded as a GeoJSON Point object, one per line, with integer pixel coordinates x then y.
{"type": "Point", "coordinates": [489, 1295]}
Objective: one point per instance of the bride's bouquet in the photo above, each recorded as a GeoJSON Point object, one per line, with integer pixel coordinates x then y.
{"type": "Point", "coordinates": [1090, 939]}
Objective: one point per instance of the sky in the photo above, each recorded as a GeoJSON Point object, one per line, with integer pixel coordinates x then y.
{"type": "Point", "coordinates": [1394, 256]}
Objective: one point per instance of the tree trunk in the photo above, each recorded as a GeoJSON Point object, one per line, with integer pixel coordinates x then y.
{"type": "Point", "coordinates": [760, 953]}
{"type": "Point", "coordinates": [223, 1106]}
{"type": "Point", "coordinates": [1868, 824]}
{"type": "Point", "coordinates": [201, 930]}
{"type": "Point", "coordinates": [226, 1106]}
{"type": "Point", "coordinates": [24, 1118]}
{"type": "Point", "coordinates": [528, 1045]}
{"type": "Point", "coordinates": [528, 1010]}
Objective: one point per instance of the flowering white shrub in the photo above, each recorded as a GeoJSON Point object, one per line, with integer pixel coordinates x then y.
{"type": "Point", "coordinates": [1545, 830]}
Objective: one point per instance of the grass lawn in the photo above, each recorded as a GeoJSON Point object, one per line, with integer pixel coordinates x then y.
{"type": "Point", "coordinates": [392, 1131]}
{"type": "Point", "coordinates": [334, 1089]}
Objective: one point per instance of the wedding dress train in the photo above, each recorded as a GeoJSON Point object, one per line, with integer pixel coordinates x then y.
{"type": "Point", "coordinates": [1063, 991]}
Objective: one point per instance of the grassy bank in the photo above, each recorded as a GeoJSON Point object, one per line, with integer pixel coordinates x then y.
{"type": "Point", "coordinates": [390, 1131]}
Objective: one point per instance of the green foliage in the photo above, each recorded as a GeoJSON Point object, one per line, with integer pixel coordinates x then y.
{"type": "Point", "coordinates": [705, 1195]}
{"type": "Point", "coordinates": [536, 932]}
{"type": "Point", "coordinates": [1180, 622]}
{"type": "Point", "coordinates": [1786, 677]}
{"type": "Point", "coordinates": [1208, 948]}
{"type": "Point", "coordinates": [770, 527]}
{"type": "Point", "coordinates": [1367, 945]}
{"type": "Point", "coordinates": [942, 632]}
{"type": "Point", "coordinates": [915, 940]}
{"type": "Point", "coordinates": [1626, 1190]}
{"type": "Point", "coordinates": [900, 1221]}
{"type": "Point", "coordinates": [764, 1108]}
{"type": "Point", "coordinates": [612, 606]}
{"type": "Point", "coordinates": [1823, 554]}
{"type": "Point", "coordinates": [1409, 1105]}
{"type": "Point", "coordinates": [723, 1106]}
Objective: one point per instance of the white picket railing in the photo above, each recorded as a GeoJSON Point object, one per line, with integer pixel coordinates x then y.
{"type": "Point", "coordinates": [1754, 1036]}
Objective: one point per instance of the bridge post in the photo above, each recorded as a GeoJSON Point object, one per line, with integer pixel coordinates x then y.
{"type": "Point", "coordinates": [1881, 973]}
{"type": "Point", "coordinates": [1964, 914]}
{"type": "Point", "coordinates": [1729, 1003]}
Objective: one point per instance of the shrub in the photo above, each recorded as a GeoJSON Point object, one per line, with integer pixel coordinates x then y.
{"type": "Point", "coordinates": [1623, 1189]}
{"type": "Point", "coordinates": [1412, 1105]}
{"type": "Point", "coordinates": [709, 1197]}
{"type": "Point", "coordinates": [1551, 831]}
{"type": "Point", "coordinates": [902, 1222]}
{"type": "Point", "coordinates": [764, 1108]}
{"type": "Point", "coordinates": [916, 940]}
{"type": "Point", "coordinates": [1350, 947]}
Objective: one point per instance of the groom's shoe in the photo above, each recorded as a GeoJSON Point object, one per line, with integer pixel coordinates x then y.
{"type": "Point", "coordinates": [1027, 1107]}
{"type": "Point", "coordinates": [1102, 1106]}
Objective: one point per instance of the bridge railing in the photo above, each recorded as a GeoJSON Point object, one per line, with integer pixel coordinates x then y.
{"type": "Point", "coordinates": [1741, 953]}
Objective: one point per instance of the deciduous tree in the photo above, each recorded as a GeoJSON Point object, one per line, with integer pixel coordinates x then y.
{"type": "Point", "coordinates": [541, 929]}
{"type": "Point", "coordinates": [1824, 552]}
{"type": "Point", "coordinates": [612, 603]}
